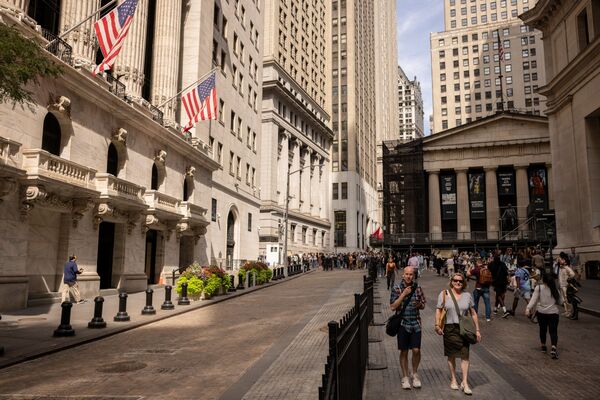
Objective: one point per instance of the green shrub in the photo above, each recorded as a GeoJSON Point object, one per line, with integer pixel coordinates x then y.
{"type": "Point", "coordinates": [195, 285]}
{"type": "Point", "coordinates": [212, 285]}
{"type": "Point", "coordinates": [226, 282]}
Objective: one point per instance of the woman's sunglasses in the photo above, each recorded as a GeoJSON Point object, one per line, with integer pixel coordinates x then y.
{"type": "Point", "coordinates": [458, 280]}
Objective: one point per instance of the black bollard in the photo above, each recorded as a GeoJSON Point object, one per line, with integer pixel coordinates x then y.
{"type": "Point", "coordinates": [122, 315]}
{"type": "Point", "coordinates": [149, 309]}
{"type": "Point", "coordinates": [183, 299]}
{"type": "Point", "coordinates": [232, 281]}
{"type": "Point", "coordinates": [167, 305]}
{"type": "Point", "coordinates": [97, 322]}
{"type": "Point", "coordinates": [65, 329]}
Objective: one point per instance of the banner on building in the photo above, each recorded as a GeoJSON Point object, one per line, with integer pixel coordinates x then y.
{"type": "Point", "coordinates": [538, 188]}
{"type": "Point", "coordinates": [506, 183]}
{"type": "Point", "coordinates": [448, 196]}
{"type": "Point", "coordinates": [477, 195]}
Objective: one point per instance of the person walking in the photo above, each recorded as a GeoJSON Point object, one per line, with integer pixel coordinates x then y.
{"type": "Point", "coordinates": [454, 344]}
{"type": "Point", "coordinates": [483, 281]}
{"type": "Point", "coordinates": [70, 287]}
{"type": "Point", "coordinates": [522, 287]}
{"type": "Point", "coordinates": [564, 274]}
{"type": "Point", "coordinates": [545, 301]}
{"type": "Point", "coordinates": [390, 272]}
{"type": "Point", "coordinates": [500, 283]}
{"type": "Point", "coordinates": [407, 298]}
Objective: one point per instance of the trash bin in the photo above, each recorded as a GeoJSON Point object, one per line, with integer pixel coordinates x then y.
{"type": "Point", "coordinates": [592, 269]}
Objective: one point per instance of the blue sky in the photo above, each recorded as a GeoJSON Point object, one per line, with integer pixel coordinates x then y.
{"type": "Point", "coordinates": [415, 20]}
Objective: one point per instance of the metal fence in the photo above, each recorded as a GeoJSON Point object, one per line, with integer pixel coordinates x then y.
{"type": "Point", "coordinates": [58, 47]}
{"type": "Point", "coordinates": [346, 365]}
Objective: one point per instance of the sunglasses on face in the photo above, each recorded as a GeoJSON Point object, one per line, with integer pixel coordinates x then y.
{"type": "Point", "coordinates": [458, 280]}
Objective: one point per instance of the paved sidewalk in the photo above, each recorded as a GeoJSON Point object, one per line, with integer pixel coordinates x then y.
{"type": "Point", "coordinates": [27, 334]}
{"type": "Point", "coordinates": [507, 364]}
{"type": "Point", "coordinates": [590, 294]}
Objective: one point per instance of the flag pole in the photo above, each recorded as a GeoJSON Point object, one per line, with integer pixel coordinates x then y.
{"type": "Point", "coordinates": [187, 87]}
{"type": "Point", "coordinates": [62, 35]}
{"type": "Point", "coordinates": [500, 57]}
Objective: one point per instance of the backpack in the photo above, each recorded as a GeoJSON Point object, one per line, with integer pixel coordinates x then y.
{"type": "Point", "coordinates": [485, 277]}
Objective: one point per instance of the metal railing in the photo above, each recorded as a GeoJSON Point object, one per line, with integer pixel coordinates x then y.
{"type": "Point", "coordinates": [58, 47]}
{"type": "Point", "coordinates": [117, 88]}
{"type": "Point", "coordinates": [157, 114]}
{"type": "Point", "coordinates": [346, 365]}
{"type": "Point", "coordinates": [473, 236]}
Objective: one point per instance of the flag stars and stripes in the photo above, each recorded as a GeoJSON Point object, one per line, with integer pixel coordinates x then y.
{"type": "Point", "coordinates": [200, 103]}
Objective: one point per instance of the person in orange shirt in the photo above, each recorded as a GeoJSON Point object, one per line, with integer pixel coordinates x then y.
{"type": "Point", "coordinates": [390, 272]}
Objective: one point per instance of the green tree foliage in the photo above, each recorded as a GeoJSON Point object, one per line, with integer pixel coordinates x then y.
{"type": "Point", "coordinates": [21, 61]}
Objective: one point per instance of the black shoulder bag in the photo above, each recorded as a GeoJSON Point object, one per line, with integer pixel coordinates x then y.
{"type": "Point", "coordinates": [392, 326]}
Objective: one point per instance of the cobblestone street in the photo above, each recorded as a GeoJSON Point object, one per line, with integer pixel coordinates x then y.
{"type": "Point", "coordinates": [272, 344]}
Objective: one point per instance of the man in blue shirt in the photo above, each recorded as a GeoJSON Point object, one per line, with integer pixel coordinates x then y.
{"type": "Point", "coordinates": [523, 288]}
{"type": "Point", "coordinates": [70, 287]}
{"type": "Point", "coordinates": [408, 298]}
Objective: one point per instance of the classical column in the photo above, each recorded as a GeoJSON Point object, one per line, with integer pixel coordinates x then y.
{"type": "Point", "coordinates": [324, 188]}
{"type": "Point", "coordinates": [462, 205]}
{"type": "Point", "coordinates": [283, 166]}
{"type": "Point", "coordinates": [550, 186]}
{"type": "Point", "coordinates": [307, 180]}
{"type": "Point", "coordinates": [294, 158]}
{"type": "Point", "coordinates": [22, 4]}
{"type": "Point", "coordinates": [522, 195]}
{"type": "Point", "coordinates": [435, 210]}
{"type": "Point", "coordinates": [130, 61]}
{"type": "Point", "coordinates": [165, 62]}
{"type": "Point", "coordinates": [491, 203]}
{"type": "Point", "coordinates": [81, 39]}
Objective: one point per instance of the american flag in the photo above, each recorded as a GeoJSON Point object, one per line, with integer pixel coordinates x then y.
{"type": "Point", "coordinates": [200, 103]}
{"type": "Point", "coordinates": [111, 31]}
{"type": "Point", "coordinates": [500, 51]}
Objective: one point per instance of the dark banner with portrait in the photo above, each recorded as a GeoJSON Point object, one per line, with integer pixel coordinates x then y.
{"type": "Point", "coordinates": [448, 194]}
{"type": "Point", "coordinates": [506, 183]}
{"type": "Point", "coordinates": [538, 188]}
{"type": "Point", "coordinates": [477, 195]}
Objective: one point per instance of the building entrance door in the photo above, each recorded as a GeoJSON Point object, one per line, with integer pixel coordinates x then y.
{"type": "Point", "coordinates": [106, 244]}
{"type": "Point", "coordinates": [151, 247]}
{"type": "Point", "coordinates": [230, 240]}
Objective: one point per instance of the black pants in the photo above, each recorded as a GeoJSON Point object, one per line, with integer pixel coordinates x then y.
{"type": "Point", "coordinates": [548, 322]}
{"type": "Point", "coordinates": [390, 280]}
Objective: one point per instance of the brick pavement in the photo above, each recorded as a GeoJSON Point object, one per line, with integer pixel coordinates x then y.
{"type": "Point", "coordinates": [296, 374]}
{"type": "Point", "coordinates": [507, 364]}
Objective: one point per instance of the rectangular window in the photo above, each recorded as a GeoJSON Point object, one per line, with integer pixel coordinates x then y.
{"type": "Point", "coordinates": [335, 191]}
{"type": "Point", "coordinates": [213, 210]}
{"type": "Point", "coordinates": [249, 222]}
{"type": "Point", "coordinates": [340, 228]}
{"type": "Point", "coordinates": [583, 33]}
{"type": "Point", "coordinates": [344, 190]}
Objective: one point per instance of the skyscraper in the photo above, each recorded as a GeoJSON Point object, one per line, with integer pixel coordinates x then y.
{"type": "Point", "coordinates": [410, 106]}
{"type": "Point", "coordinates": [296, 137]}
{"type": "Point", "coordinates": [485, 61]}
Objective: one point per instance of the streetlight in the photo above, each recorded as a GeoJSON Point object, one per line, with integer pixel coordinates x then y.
{"type": "Point", "coordinates": [286, 215]}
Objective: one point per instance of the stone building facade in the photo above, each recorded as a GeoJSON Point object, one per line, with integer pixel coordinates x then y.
{"type": "Point", "coordinates": [571, 46]}
{"type": "Point", "coordinates": [410, 108]}
{"type": "Point", "coordinates": [296, 138]}
{"type": "Point", "coordinates": [94, 167]}
{"type": "Point", "coordinates": [469, 79]}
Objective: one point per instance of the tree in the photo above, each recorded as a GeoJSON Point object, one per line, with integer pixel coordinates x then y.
{"type": "Point", "coordinates": [21, 61]}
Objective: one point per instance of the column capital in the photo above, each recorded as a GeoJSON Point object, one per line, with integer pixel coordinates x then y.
{"type": "Point", "coordinates": [432, 171]}
{"type": "Point", "coordinates": [521, 166]}
{"type": "Point", "coordinates": [493, 168]}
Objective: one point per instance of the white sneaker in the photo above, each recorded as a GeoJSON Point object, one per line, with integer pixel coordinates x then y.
{"type": "Point", "coordinates": [416, 381]}
{"type": "Point", "coordinates": [405, 383]}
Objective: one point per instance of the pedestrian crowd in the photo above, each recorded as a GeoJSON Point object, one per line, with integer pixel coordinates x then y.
{"type": "Point", "coordinates": [546, 291]}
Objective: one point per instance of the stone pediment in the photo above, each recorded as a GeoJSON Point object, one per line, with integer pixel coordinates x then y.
{"type": "Point", "coordinates": [497, 130]}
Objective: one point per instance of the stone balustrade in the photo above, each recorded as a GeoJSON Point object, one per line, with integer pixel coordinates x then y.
{"type": "Point", "coordinates": [39, 163]}
{"type": "Point", "coordinates": [110, 186]}
{"type": "Point", "coordinates": [156, 200]}
{"type": "Point", "coordinates": [9, 151]}
{"type": "Point", "coordinates": [192, 211]}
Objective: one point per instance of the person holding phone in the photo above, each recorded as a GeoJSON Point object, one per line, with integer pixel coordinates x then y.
{"type": "Point", "coordinates": [70, 287]}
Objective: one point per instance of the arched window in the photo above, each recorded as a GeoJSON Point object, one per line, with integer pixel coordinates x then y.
{"type": "Point", "coordinates": [186, 190]}
{"type": "Point", "coordinates": [51, 135]}
{"type": "Point", "coordinates": [112, 164]}
{"type": "Point", "coordinates": [154, 183]}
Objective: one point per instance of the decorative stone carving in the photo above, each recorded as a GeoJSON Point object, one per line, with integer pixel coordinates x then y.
{"type": "Point", "coordinates": [62, 104]}
{"type": "Point", "coordinates": [198, 233]}
{"type": "Point", "coordinates": [151, 220]}
{"type": "Point", "coordinates": [80, 207]}
{"type": "Point", "coordinates": [161, 157]}
{"type": "Point", "coordinates": [33, 193]}
{"type": "Point", "coordinates": [7, 186]}
{"type": "Point", "coordinates": [190, 170]}
{"type": "Point", "coordinates": [120, 136]}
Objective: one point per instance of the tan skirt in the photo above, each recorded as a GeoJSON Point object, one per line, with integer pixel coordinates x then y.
{"type": "Point", "coordinates": [454, 344]}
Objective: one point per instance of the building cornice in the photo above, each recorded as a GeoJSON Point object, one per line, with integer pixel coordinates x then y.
{"type": "Point", "coordinates": [577, 73]}
{"type": "Point", "coordinates": [296, 216]}
{"type": "Point", "coordinates": [499, 143]}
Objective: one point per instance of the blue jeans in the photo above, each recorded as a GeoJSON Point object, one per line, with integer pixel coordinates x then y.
{"type": "Point", "coordinates": [485, 293]}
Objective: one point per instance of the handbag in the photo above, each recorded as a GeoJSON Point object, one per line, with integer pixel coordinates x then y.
{"type": "Point", "coordinates": [392, 326]}
{"type": "Point", "coordinates": [466, 324]}
{"type": "Point", "coordinates": [441, 322]}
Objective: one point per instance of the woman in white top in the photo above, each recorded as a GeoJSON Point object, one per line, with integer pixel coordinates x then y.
{"type": "Point", "coordinates": [545, 301]}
